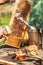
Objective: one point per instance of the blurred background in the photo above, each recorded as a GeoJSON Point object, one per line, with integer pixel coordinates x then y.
{"type": "Point", "coordinates": [35, 16]}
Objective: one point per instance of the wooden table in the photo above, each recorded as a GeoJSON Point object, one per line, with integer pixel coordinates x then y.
{"type": "Point", "coordinates": [7, 60]}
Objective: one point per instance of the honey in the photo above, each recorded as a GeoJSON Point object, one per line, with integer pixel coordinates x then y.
{"type": "Point", "coordinates": [21, 57]}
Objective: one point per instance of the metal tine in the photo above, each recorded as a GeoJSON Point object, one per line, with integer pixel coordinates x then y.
{"type": "Point", "coordinates": [29, 26]}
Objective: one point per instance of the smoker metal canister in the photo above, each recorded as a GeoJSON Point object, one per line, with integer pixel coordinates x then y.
{"type": "Point", "coordinates": [34, 38]}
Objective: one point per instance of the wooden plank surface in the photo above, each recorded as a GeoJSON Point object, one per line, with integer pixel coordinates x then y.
{"type": "Point", "coordinates": [5, 59]}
